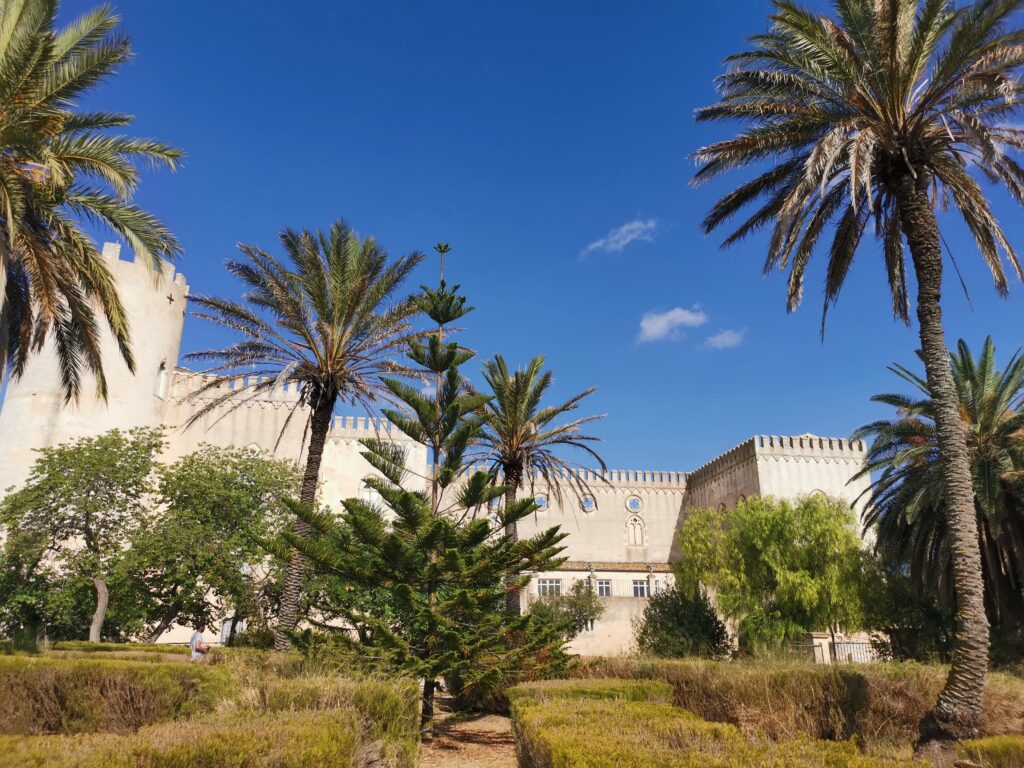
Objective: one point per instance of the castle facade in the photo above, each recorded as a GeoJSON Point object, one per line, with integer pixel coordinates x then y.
{"type": "Point", "coordinates": [621, 532]}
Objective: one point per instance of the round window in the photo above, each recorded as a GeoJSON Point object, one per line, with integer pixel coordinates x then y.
{"type": "Point", "coordinates": [587, 504]}
{"type": "Point", "coordinates": [634, 504]}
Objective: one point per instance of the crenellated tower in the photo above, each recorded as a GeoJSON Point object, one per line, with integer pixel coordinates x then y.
{"type": "Point", "coordinates": [34, 414]}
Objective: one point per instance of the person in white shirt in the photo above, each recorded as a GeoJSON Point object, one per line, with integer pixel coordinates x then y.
{"type": "Point", "coordinates": [196, 644]}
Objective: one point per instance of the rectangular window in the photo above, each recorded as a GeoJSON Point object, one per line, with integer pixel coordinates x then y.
{"type": "Point", "coordinates": [549, 587]}
{"type": "Point", "coordinates": [639, 587]}
{"type": "Point", "coordinates": [604, 587]}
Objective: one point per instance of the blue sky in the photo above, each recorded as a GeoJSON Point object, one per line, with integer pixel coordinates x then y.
{"type": "Point", "coordinates": [548, 143]}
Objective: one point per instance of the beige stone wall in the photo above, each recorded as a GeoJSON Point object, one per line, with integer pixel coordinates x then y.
{"type": "Point", "coordinates": [34, 414]}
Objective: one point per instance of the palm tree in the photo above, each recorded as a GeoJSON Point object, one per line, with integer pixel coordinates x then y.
{"type": "Point", "coordinates": [330, 323]}
{"type": "Point", "coordinates": [521, 436]}
{"type": "Point", "coordinates": [60, 166]}
{"type": "Point", "coordinates": [876, 117]}
{"type": "Point", "coordinates": [908, 511]}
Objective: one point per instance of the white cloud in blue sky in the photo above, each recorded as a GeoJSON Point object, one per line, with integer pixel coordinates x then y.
{"type": "Point", "coordinates": [726, 339]}
{"type": "Point", "coordinates": [658, 326]}
{"type": "Point", "coordinates": [620, 237]}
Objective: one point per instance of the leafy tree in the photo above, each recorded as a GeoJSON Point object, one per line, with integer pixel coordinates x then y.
{"type": "Point", "coordinates": [521, 435]}
{"type": "Point", "coordinates": [909, 509]}
{"type": "Point", "coordinates": [869, 121]}
{"type": "Point", "coordinates": [573, 612]}
{"type": "Point", "coordinates": [435, 550]}
{"type": "Point", "coordinates": [85, 499]}
{"type": "Point", "coordinates": [677, 623]}
{"type": "Point", "coordinates": [776, 568]}
{"type": "Point", "coordinates": [327, 321]}
{"type": "Point", "coordinates": [61, 166]}
{"type": "Point", "coordinates": [204, 553]}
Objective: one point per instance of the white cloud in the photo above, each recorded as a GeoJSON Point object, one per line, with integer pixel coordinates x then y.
{"type": "Point", "coordinates": [620, 237]}
{"type": "Point", "coordinates": [655, 326]}
{"type": "Point", "coordinates": [726, 339]}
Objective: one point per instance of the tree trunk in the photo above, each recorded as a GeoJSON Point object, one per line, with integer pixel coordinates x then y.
{"type": "Point", "coordinates": [233, 629]}
{"type": "Point", "coordinates": [100, 614]}
{"type": "Point", "coordinates": [320, 424]}
{"type": "Point", "coordinates": [427, 710]}
{"type": "Point", "coordinates": [957, 713]}
{"type": "Point", "coordinates": [513, 598]}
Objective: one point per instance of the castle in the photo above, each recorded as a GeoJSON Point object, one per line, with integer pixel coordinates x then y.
{"type": "Point", "coordinates": [621, 533]}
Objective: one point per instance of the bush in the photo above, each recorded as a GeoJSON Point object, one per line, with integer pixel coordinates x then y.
{"type": "Point", "coordinates": [880, 704]}
{"type": "Point", "coordinates": [995, 751]}
{"type": "Point", "coordinates": [47, 695]}
{"type": "Point", "coordinates": [258, 711]}
{"type": "Point", "coordinates": [581, 731]}
{"type": "Point", "coordinates": [292, 740]}
{"type": "Point", "coordinates": [87, 647]}
{"type": "Point", "coordinates": [677, 624]}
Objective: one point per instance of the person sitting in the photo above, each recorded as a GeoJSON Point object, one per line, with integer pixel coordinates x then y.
{"type": "Point", "coordinates": [196, 645]}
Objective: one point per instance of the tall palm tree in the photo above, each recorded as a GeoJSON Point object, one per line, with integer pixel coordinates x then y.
{"type": "Point", "coordinates": [908, 510]}
{"type": "Point", "coordinates": [521, 436]}
{"type": "Point", "coordinates": [328, 321]}
{"type": "Point", "coordinates": [60, 166]}
{"type": "Point", "coordinates": [877, 117]}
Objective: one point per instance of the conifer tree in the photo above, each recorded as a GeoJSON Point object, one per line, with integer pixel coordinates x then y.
{"type": "Point", "coordinates": [439, 553]}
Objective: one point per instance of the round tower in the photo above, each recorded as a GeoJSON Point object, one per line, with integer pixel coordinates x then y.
{"type": "Point", "coordinates": [34, 415]}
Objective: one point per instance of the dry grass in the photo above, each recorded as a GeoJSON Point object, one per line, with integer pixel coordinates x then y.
{"type": "Point", "coordinates": [880, 705]}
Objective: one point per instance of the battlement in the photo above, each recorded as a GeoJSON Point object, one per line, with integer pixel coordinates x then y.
{"type": "Point", "coordinates": [112, 255]}
{"type": "Point", "coordinates": [185, 384]}
{"type": "Point", "coordinates": [359, 427]}
{"type": "Point", "coordinates": [803, 446]}
{"type": "Point", "coordinates": [613, 477]}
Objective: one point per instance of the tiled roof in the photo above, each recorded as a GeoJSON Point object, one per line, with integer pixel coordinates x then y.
{"type": "Point", "coordinates": [581, 565]}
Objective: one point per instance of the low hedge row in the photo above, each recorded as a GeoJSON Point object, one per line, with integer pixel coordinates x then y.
{"type": "Point", "coordinates": [289, 740]}
{"type": "Point", "coordinates": [40, 694]}
{"type": "Point", "coordinates": [558, 727]}
{"type": "Point", "coordinates": [85, 646]}
{"type": "Point", "coordinates": [878, 704]}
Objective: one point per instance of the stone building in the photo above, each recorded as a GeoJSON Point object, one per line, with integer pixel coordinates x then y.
{"type": "Point", "coordinates": [621, 532]}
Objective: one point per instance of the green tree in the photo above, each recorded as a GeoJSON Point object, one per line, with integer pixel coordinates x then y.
{"type": "Point", "coordinates": [60, 167]}
{"type": "Point", "coordinates": [778, 569]}
{"type": "Point", "coordinates": [329, 322]}
{"type": "Point", "coordinates": [876, 117]}
{"type": "Point", "coordinates": [522, 438]}
{"type": "Point", "coordinates": [85, 499]}
{"type": "Point", "coordinates": [204, 552]}
{"type": "Point", "coordinates": [574, 612]}
{"type": "Point", "coordinates": [436, 550]}
{"type": "Point", "coordinates": [909, 509]}
{"type": "Point", "coordinates": [677, 624]}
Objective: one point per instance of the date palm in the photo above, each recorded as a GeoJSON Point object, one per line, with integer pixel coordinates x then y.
{"type": "Point", "coordinates": [873, 120]}
{"type": "Point", "coordinates": [908, 511]}
{"type": "Point", "coordinates": [329, 321]}
{"type": "Point", "coordinates": [61, 167]}
{"type": "Point", "coordinates": [522, 437]}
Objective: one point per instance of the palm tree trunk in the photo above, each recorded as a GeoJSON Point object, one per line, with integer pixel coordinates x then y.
{"type": "Point", "coordinates": [320, 424]}
{"type": "Point", "coordinates": [100, 614]}
{"type": "Point", "coordinates": [513, 599]}
{"type": "Point", "coordinates": [957, 713]}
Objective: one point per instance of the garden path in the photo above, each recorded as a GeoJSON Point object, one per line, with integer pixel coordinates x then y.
{"type": "Point", "coordinates": [477, 741]}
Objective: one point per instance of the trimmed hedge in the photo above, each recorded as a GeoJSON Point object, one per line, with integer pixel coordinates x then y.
{"type": "Point", "coordinates": [291, 740]}
{"type": "Point", "coordinates": [558, 727]}
{"type": "Point", "coordinates": [85, 646]}
{"type": "Point", "coordinates": [878, 704]}
{"type": "Point", "coordinates": [995, 751]}
{"type": "Point", "coordinates": [40, 695]}
{"type": "Point", "coordinates": [253, 711]}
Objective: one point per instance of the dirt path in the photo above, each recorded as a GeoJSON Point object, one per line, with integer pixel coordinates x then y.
{"type": "Point", "coordinates": [476, 741]}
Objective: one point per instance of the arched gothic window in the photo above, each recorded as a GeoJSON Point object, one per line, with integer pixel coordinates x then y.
{"type": "Point", "coordinates": [635, 532]}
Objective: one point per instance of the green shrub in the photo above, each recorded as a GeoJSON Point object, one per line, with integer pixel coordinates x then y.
{"type": "Point", "coordinates": [615, 690]}
{"type": "Point", "coordinates": [87, 647]}
{"type": "Point", "coordinates": [995, 751]}
{"type": "Point", "coordinates": [879, 704]}
{"type": "Point", "coordinates": [677, 624]}
{"type": "Point", "coordinates": [288, 740]}
{"type": "Point", "coordinates": [581, 731]}
{"type": "Point", "coordinates": [52, 695]}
